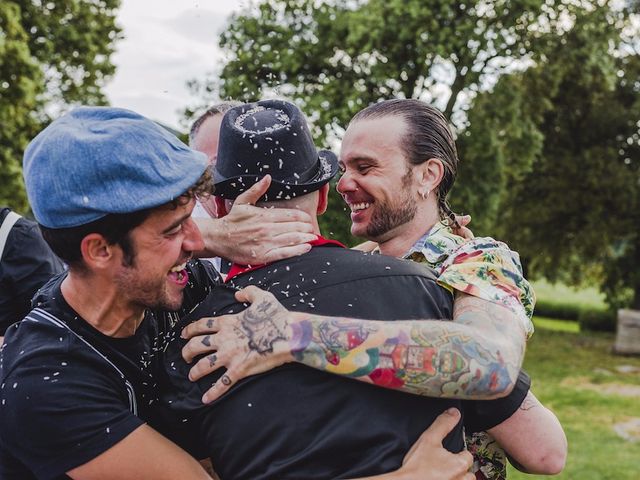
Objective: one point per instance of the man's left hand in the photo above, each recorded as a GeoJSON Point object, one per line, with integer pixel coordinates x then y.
{"type": "Point", "coordinates": [247, 343]}
{"type": "Point", "coordinates": [252, 235]}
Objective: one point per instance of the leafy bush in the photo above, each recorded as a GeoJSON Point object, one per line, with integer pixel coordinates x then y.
{"type": "Point", "coordinates": [589, 317]}
{"type": "Point", "coordinates": [556, 309]}
{"type": "Point", "coordinates": [597, 320]}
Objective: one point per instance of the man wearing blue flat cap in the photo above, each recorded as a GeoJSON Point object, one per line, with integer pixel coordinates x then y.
{"type": "Point", "coordinates": [113, 194]}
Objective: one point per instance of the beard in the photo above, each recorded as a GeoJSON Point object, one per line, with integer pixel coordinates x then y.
{"type": "Point", "coordinates": [149, 293]}
{"type": "Point", "coordinates": [389, 215]}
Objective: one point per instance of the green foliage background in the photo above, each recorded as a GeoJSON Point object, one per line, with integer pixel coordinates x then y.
{"type": "Point", "coordinates": [52, 54]}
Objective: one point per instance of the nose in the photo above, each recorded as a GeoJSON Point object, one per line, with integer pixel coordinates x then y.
{"type": "Point", "coordinates": [192, 241]}
{"type": "Point", "coordinates": [346, 183]}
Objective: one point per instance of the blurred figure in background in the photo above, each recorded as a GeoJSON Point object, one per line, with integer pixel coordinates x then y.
{"type": "Point", "coordinates": [203, 137]}
{"type": "Point", "coordinates": [26, 263]}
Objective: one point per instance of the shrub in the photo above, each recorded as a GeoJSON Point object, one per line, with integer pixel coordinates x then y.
{"type": "Point", "coordinates": [554, 309]}
{"type": "Point", "coordinates": [588, 317]}
{"type": "Point", "coordinates": [597, 320]}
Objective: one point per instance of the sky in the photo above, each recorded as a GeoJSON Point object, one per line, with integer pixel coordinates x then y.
{"type": "Point", "coordinates": [166, 43]}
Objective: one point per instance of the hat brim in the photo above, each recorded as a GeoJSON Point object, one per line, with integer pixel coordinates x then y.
{"type": "Point", "coordinates": [231, 188]}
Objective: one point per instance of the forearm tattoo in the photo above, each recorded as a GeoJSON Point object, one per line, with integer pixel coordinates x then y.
{"type": "Point", "coordinates": [459, 359]}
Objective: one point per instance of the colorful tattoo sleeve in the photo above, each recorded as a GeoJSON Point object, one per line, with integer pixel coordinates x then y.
{"type": "Point", "coordinates": [473, 357]}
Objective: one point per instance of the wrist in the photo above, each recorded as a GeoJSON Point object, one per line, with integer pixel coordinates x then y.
{"type": "Point", "coordinates": [300, 335]}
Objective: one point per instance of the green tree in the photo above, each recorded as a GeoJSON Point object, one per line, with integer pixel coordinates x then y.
{"type": "Point", "coordinates": [334, 58]}
{"type": "Point", "coordinates": [570, 125]}
{"type": "Point", "coordinates": [20, 79]}
{"type": "Point", "coordinates": [52, 54]}
{"type": "Point", "coordinates": [337, 57]}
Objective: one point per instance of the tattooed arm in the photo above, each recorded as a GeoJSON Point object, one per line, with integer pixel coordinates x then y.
{"type": "Point", "coordinates": [477, 356]}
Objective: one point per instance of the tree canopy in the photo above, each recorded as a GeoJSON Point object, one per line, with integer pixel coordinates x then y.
{"type": "Point", "coordinates": [573, 209]}
{"type": "Point", "coordinates": [336, 57]}
{"type": "Point", "coordinates": [51, 54]}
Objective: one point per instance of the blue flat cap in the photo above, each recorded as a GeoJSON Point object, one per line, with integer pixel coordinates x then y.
{"type": "Point", "coordinates": [95, 161]}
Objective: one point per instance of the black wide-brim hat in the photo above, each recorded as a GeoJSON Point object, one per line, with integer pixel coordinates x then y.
{"type": "Point", "coordinates": [270, 137]}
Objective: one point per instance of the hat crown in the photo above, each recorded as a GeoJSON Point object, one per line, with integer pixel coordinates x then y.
{"type": "Point", "coordinates": [269, 137]}
{"type": "Point", "coordinates": [258, 120]}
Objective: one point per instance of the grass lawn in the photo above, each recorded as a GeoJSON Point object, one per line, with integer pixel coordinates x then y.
{"type": "Point", "coordinates": [575, 375]}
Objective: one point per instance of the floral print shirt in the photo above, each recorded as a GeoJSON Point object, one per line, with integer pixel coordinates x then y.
{"type": "Point", "coordinates": [488, 269]}
{"type": "Point", "coordinates": [482, 267]}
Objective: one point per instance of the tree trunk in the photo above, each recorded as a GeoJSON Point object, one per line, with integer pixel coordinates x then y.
{"type": "Point", "coordinates": [457, 86]}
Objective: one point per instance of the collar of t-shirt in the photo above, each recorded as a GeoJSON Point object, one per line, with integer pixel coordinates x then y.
{"type": "Point", "coordinates": [238, 269]}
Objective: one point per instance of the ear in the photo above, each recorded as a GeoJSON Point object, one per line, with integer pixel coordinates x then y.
{"type": "Point", "coordinates": [323, 199]}
{"type": "Point", "coordinates": [429, 175]}
{"type": "Point", "coordinates": [221, 206]}
{"type": "Point", "coordinates": [96, 252]}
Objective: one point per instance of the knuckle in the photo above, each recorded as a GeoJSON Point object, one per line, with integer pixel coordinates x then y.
{"type": "Point", "coordinates": [194, 373]}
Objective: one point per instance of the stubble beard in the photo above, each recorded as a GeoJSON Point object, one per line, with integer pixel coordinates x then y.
{"type": "Point", "coordinates": [148, 293]}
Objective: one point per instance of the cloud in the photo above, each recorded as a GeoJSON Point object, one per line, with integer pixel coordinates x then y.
{"type": "Point", "coordinates": [166, 44]}
{"type": "Point", "coordinates": [198, 24]}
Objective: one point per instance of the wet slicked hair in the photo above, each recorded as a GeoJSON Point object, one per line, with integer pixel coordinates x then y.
{"type": "Point", "coordinates": [215, 109]}
{"type": "Point", "coordinates": [428, 136]}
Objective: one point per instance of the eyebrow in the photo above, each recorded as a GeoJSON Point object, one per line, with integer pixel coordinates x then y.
{"type": "Point", "coordinates": [360, 158]}
{"type": "Point", "coordinates": [176, 223]}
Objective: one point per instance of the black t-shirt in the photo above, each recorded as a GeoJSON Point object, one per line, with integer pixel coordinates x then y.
{"type": "Point", "coordinates": [296, 422]}
{"type": "Point", "coordinates": [68, 393]}
{"type": "Point", "coordinates": [27, 263]}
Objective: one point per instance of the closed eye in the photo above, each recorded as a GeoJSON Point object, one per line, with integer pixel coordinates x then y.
{"type": "Point", "coordinates": [174, 231]}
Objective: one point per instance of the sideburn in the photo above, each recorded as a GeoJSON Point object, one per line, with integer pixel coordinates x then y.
{"type": "Point", "coordinates": [128, 252]}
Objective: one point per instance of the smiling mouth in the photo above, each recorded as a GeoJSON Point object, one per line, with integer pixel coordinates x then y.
{"type": "Point", "coordinates": [357, 207]}
{"type": "Point", "coordinates": [179, 274]}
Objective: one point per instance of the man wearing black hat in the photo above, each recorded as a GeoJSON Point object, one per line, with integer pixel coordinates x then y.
{"type": "Point", "coordinates": [295, 422]}
{"type": "Point", "coordinates": [380, 179]}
